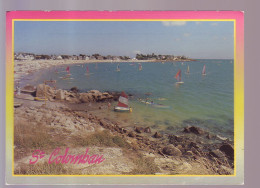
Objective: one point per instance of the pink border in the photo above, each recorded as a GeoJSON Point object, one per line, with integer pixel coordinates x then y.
{"type": "Point", "coordinates": [238, 16]}
{"type": "Point", "coordinates": [125, 14]}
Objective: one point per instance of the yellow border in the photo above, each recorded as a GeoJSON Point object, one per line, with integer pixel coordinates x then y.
{"type": "Point", "coordinates": [12, 130]}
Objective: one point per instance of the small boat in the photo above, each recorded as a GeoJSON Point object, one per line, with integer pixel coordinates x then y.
{"type": "Point", "coordinates": [188, 70]}
{"type": "Point", "coordinates": [140, 67]}
{"type": "Point", "coordinates": [122, 105]}
{"type": "Point", "coordinates": [204, 70]}
{"type": "Point", "coordinates": [117, 68]}
{"type": "Point", "coordinates": [178, 77]}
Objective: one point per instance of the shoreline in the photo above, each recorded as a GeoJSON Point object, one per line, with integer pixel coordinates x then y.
{"type": "Point", "coordinates": [23, 68]}
{"type": "Point", "coordinates": [191, 147]}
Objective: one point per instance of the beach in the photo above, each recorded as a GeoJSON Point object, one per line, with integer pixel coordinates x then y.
{"type": "Point", "coordinates": [22, 68]}
{"type": "Point", "coordinates": [82, 119]}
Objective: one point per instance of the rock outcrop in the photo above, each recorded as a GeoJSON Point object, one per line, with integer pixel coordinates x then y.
{"type": "Point", "coordinates": [171, 150]}
{"type": "Point", "coordinates": [43, 90]}
{"type": "Point", "coordinates": [195, 130]}
{"type": "Point", "coordinates": [228, 150]}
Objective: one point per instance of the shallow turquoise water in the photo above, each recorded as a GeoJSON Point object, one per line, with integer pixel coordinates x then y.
{"type": "Point", "coordinates": [205, 101]}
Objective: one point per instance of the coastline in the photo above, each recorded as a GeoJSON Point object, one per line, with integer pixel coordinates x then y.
{"type": "Point", "coordinates": [22, 68]}
{"type": "Point", "coordinates": [69, 120]}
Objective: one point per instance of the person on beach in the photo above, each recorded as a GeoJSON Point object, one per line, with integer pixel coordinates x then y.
{"type": "Point", "coordinates": [108, 105]}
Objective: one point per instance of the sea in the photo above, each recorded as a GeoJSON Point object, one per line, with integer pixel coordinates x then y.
{"type": "Point", "coordinates": [206, 101]}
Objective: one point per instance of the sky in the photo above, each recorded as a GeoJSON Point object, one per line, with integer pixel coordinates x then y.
{"type": "Point", "coordinates": [193, 39]}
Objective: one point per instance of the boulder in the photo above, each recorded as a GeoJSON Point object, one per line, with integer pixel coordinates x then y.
{"type": "Point", "coordinates": [73, 95]}
{"type": "Point", "coordinates": [29, 87]}
{"type": "Point", "coordinates": [105, 94]}
{"type": "Point", "coordinates": [217, 153]}
{"type": "Point", "coordinates": [85, 97]}
{"type": "Point", "coordinates": [228, 150]}
{"type": "Point", "coordinates": [25, 96]}
{"type": "Point", "coordinates": [173, 139]}
{"type": "Point", "coordinates": [94, 91]}
{"type": "Point", "coordinates": [43, 89]}
{"type": "Point", "coordinates": [139, 129]}
{"type": "Point", "coordinates": [193, 144]}
{"type": "Point", "coordinates": [209, 136]}
{"type": "Point", "coordinates": [171, 150]}
{"type": "Point", "coordinates": [60, 95]}
{"type": "Point", "coordinates": [157, 135]}
{"type": "Point", "coordinates": [195, 130]}
{"type": "Point", "coordinates": [131, 134]}
{"type": "Point", "coordinates": [147, 130]}
{"type": "Point", "coordinates": [115, 95]}
{"type": "Point", "coordinates": [74, 89]}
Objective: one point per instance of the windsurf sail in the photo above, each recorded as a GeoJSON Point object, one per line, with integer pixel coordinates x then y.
{"type": "Point", "coordinates": [204, 70]}
{"type": "Point", "coordinates": [123, 100]}
{"type": "Point", "coordinates": [140, 67]}
{"type": "Point", "coordinates": [87, 70]}
{"type": "Point", "coordinates": [68, 69]}
{"type": "Point", "coordinates": [178, 76]}
{"type": "Point", "coordinates": [188, 70]}
{"type": "Point", "coordinates": [117, 68]}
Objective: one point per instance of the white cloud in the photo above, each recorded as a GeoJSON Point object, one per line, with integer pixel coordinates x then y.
{"type": "Point", "coordinates": [214, 24]}
{"type": "Point", "coordinates": [177, 39]}
{"type": "Point", "coordinates": [197, 23]}
{"type": "Point", "coordinates": [186, 34]}
{"type": "Point", "coordinates": [173, 23]}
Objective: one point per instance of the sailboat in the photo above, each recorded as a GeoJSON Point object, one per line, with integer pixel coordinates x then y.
{"type": "Point", "coordinates": [67, 76]}
{"type": "Point", "coordinates": [204, 70]}
{"type": "Point", "coordinates": [117, 68]}
{"type": "Point", "coordinates": [87, 71]}
{"type": "Point", "coordinates": [122, 105]}
{"type": "Point", "coordinates": [68, 70]}
{"type": "Point", "coordinates": [140, 67]}
{"type": "Point", "coordinates": [188, 70]}
{"type": "Point", "coordinates": [178, 77]}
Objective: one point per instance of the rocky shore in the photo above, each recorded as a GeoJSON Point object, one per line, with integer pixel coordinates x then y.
{"type": "Point", "coordinates": [132, 150]}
